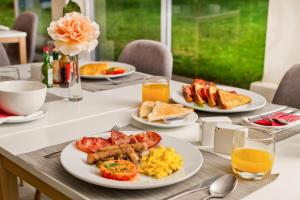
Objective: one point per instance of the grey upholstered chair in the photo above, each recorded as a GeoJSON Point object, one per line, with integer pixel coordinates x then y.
{"type": "Point", "coordinates": [148, 56]}
{"type": "Point", "coordinates": [26, 22]}
{"type": "Point", "coordinates": [4, 60]}
{"type": "Point", "coordinates": [288, 92]}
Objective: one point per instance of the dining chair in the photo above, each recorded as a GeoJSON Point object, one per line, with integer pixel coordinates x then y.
{"type": "Point", "coordinates": [4, 60]}
{"type": "Point", "coordinates": [25, 22]}
{"type": "Point", "coordinates": [148, 56]}
{"type": "Point", "coordinates": [288, 92]}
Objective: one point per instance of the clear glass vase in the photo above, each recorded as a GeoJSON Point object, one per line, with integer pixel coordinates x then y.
{"type": "Point", "coordinates": [75, 92]}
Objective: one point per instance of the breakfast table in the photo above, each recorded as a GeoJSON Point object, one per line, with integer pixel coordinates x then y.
{"type": "Point", "coordinates": [13, 36]}
{"type": "Point", "coordinates": [98, 112]}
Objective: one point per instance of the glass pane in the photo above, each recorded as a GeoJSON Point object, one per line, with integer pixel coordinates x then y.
{"type": "Point", "coordinates": [43, 10]}
{"type": "Point", "coordinates": [7, 15]}
{"type": "Point", "coordinates": [219, 40]}
{"type": "Point", "coordinates": [124, 21]}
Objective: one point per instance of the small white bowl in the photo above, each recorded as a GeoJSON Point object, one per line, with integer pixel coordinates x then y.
{"type": "Point", "coordinates": [22, 97]}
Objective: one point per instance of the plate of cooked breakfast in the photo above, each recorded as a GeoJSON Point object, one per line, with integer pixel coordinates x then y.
{"type": "Point", "coordinates": [207, 96]}
{"type": "Point", "coordinates": [131, 159]}
{"type": "Point", "coordinates": [164, 115]}
{"type": "Point", "coordinates": [101, 70]}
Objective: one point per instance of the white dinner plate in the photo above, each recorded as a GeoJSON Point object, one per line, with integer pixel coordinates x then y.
{"type": "Point", "coordinates": [22, 119]}
{"type": "Point", "coordinates": [189, 119]}
{"type": "Point", "coordinates": [74, 161]}
{"type": "Point", "coordinates": [129, 69]}
{"type": "Point", "coordinates": [257, 101]}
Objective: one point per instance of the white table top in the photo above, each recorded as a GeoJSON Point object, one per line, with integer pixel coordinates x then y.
{"type": "Point", "coordinates": [99, 111]}
{"type": "Point", "coordinates": [12, 34]}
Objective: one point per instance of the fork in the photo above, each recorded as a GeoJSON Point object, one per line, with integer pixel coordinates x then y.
{"type": "Point", "coordinates": [57, 153]}
{"type": "Point", "coordinates": [115, 128]}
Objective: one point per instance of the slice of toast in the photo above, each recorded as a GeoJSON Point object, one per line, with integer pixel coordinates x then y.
{"type": "Point", "coordinates": [212, 100]}
{"type": "Point", "coordinates": [146, 108]}
{"type": "Point", "coordinates": [163, 111]}
{"type": "Point", "coordinates": [198, 99]}
{"type": "Point", "coordinates": [188, 93]}
{"type": "Point", "coordinates": [229, 100]}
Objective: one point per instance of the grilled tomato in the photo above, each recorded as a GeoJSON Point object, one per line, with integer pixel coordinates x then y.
{"type": "Point", "coordinates": [121, 170]}
{"type": "Point", "coordinates": [92, 144]}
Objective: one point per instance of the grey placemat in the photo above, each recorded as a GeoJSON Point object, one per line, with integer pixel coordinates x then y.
{"type": "Point", "coordinates": [102, 84]}
{"type": "Point", "coordinates": [213, 165]}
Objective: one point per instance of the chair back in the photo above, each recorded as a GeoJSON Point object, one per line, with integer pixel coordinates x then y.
{"type": "Point", "coordinates": [25, 22]}
{"type": "Point", "coordinates": [148, 56]}
{"type": "Point", "coordinates": [288, 92]}
{"type": "Point", "coordinates": [4, 60]}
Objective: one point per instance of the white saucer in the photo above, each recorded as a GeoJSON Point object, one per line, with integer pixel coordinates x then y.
{"type": "Point", "coordinates": [189, 119]}
{"type": "Point", "coordinates": [22, 119]}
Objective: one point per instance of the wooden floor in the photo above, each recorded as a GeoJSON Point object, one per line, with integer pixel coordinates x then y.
{"type": "Point", "coordinates": [27, 192]}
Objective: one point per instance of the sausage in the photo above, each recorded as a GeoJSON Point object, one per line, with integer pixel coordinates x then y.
{"type": "Point", "coordinates": [124, 150]}
{"type": "Point", "coordinates": [95, 157]}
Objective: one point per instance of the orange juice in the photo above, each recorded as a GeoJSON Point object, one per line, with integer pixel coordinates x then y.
{"type": "Point", "coordinates": [251, 160]}
{"type": "Point", "coordinates": [156, 92]}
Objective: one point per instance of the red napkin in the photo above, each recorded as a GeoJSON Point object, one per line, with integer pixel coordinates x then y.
{"type": "Point", "coordinates": [3, 114]}
{"type": "Point", "coordinates": [280, 115]}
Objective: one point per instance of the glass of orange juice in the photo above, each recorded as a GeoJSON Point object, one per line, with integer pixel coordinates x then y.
{"type": "Point", "coordinates": [253, 154]}
{"type": "Point", "coordinates": [156, 88]}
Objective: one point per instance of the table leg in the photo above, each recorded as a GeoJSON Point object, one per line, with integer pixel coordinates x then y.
{"type": "Point", "coordinates": [8, 184]}
{"type": "Point", "coordinates": [22, 50]}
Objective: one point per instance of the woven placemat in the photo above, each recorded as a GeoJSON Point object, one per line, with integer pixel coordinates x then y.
{"type": "Point", "coordinates": [213, 165]}
{"type": "Point", "coordinates": [102, 84]}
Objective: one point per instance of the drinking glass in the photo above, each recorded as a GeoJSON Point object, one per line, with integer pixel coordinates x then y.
{"type": "Point", "coordinates": [253, 154]}
{"type": "Point", "coordinates": [9, 73]}
{"type": "Point", "coordinates": [156, 88]}
{"type": "Point", "coordinates": [75, 92]}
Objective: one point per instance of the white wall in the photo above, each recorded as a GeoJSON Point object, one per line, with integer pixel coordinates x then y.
{"type": "Point", "coordinates": [283, 39]}
{"type": "Point", "coordinates": [282, 45]}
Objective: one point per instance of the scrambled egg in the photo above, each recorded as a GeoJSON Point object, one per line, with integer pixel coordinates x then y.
{"type": "Point", "coordinates": [160, 162]}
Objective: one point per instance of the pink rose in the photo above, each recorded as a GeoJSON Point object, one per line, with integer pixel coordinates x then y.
{"type": "Point", "coordinates": [74, 33]}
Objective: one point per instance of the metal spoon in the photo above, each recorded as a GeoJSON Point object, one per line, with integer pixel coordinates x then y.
{"type": "Point", "coordinates": [196, 188]}
{"type": "Point", "coordinates": [222, 186]}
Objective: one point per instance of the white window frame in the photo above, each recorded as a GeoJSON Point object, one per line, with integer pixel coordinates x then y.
{"type": "Point", "coordinates": [166, 22]}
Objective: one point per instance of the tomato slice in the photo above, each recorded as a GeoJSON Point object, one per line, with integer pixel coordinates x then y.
{"type": "Point", "coordinates": [150, 138]}
{"type": "Point", "coordinates": [118, 71]}
{"type": "Point", "coordinates": [121, 170]}
{"type": "Point", "coordinates": [92, 144]}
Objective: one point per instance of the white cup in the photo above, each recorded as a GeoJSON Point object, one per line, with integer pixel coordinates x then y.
{"type": "Point", "coordinates": [207, 128]}
{"type": "Point", "coordinates": [36, 72]}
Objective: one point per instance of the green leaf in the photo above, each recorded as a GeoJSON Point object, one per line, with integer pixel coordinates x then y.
{"type": "Point", "coordinates": [110, 165]}
{"type": "Point", "coordinates": [71, 6]}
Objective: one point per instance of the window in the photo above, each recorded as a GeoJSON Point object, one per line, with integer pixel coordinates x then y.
{"type": "Point", "coordinates": [219, 40]}
{"type": "Point", "coordinates": [123, 21]}
{"type": "Point", "coordinates": [43, 10]}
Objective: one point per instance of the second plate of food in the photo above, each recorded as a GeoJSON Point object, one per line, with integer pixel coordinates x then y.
{"type": "Point", "coordinates": [217, 98]}
{"type": "Point", "coordinates": [164, 115]}
{"type": "Point", "coordinates": [105, 69]}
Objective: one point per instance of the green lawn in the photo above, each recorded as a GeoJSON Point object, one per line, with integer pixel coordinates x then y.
{"type": "Point", "coordinates": [226, 50]}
